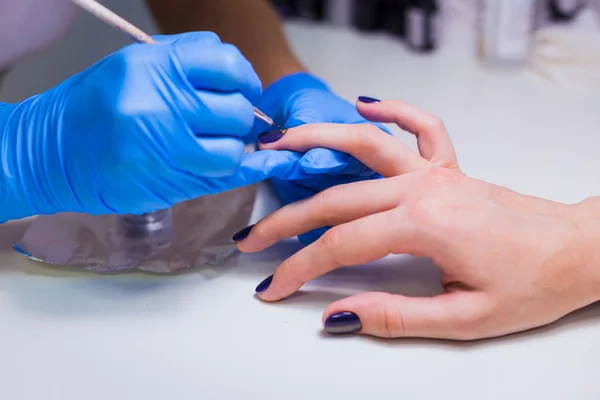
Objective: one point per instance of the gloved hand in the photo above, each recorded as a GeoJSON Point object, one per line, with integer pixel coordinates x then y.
{"type": "Point", "coordinates": [143, 129]}
{"type": "Point", "coordinates": [299, 99]}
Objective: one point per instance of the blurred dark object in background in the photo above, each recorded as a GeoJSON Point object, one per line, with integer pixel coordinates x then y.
{"type": "Point", "coordinates": [423, 25]}
{"type": "Point", "coordinates": [340, 12]}
{"type": "Point", "coordinates": [506, 23]}
{"type": "Point", "coordinates": [368, 15]}
{"type": "Point", "coordinates": [414, 20]}
{"type": "Point", "coordinates": [309, 9]}
{"type": "Point", "coordinates": [304, 9]}
{"type": "Point", "coordinates": [565, 10]}
{"type": "Point", "coordinates": [394, 18]}
{"type": "Point", "coordinates": [285, 8]}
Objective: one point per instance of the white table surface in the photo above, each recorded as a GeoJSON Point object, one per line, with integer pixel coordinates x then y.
{"type": "Point", "coordinates": [70, 335]}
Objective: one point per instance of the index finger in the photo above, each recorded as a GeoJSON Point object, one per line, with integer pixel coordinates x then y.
{"type": "Point", "coordinates": [379, 151]}
{"type": "Point", "coordinates": [432, 138]}
{"type": "Point", "coordinates": [358, 242]}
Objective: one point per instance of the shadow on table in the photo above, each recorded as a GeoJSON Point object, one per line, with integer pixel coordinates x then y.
{"type": "Point", "coordinates": [404, 275]}
{"type": "Point", "coordinates": [57, 290]}
{"type": "Point", "coordinates": [400, 274]}
{"type": "Point", "coordinates": [122, 293]}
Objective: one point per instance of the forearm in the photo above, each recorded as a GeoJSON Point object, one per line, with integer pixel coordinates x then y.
{"type": "Point", "coordinates": [252, 25]}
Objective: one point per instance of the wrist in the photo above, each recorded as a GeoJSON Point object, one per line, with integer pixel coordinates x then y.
{"type": "Point", "coordinates": [585, 216]}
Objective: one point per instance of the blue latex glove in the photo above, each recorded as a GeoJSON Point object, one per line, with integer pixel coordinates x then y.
{"type": "Point", "coordinates": [303, 99]}
{"type": "Point", "coordinates": [145, 128]}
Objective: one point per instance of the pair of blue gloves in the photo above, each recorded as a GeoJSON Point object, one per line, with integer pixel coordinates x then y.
{"type": "Point", "coordinates": [153, 125]}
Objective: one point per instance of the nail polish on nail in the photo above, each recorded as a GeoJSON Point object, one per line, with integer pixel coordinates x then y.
{"type": "Point", "coordinates": [264, 285]}
{"type": "Point", "coordinates": [342, 323]}
{"type": "Point", "coordinates": [368, 100]}
{"type": "Point", "coordinates": [270, 137]}
{"type": "Point", "coordinates": [243, 234]}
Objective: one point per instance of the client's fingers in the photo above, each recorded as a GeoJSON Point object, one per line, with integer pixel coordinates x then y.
{"type": "Point", "coordinates": [451, 315]}
{"type": "Point", "coordinates": [433, 140]}
{"type": "Point", "coordinates": [376, 149]}
{"type": "Point", "coordinates": [330, 207]}
{"type": "Point", "coordinates": [358, 242]}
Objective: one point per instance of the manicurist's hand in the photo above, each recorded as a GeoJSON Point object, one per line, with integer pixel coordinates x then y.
{"type": "Point", "coordinates": [509, 262]}
{"type": "Point", "coordinates": [143, 129]}
{"type": "Point", "coordinates": [302, 98]}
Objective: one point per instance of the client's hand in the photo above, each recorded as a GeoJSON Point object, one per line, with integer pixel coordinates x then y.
{"type": "Point", "coordinates": [509, 262]}
{"type": "Point", "coordinates": [300, 99]}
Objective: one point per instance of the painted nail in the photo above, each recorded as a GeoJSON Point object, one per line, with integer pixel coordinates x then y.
{"type": "Point", "coordinates": [243, 234]}
{"type": "Point", "coordinates": [368, 100]}
{"type": "Point", "coordinates": [264, 285]}
{"type": "Point", "coordinates": [270, 137]}
{"type": "Point", "coordinates": [343, 322]}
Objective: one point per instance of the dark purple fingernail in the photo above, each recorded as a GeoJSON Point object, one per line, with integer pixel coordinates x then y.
{"type": "Point", "coordinates": [343, 322]}
{"type": "Point", "coordinates": [368, 100]}
{"type": "Point", "coordinates": [243, 234]}
{"type": "Point", "coordinates": [264, 285]}
{"type": "Point", "coordinates": [270, 137]}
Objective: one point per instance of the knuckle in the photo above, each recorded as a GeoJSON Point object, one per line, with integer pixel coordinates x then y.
{"type": "Point", "coordinates": [204, 37]}
{"type": "Point", "coordinates": [332, 239]}
{"type": "Point", "coordinates": [270, 227]}
{"type": "Point", "coordinates": [435, 124]}
{"type": "Point", "coordinates": [363, 137]}
{"type": "Point", "coordinates": [287, 271]}
{"type": "Point", "coordinates": [232, 60]}
{"type": "Point", "coordinates": [393, 320]}
{"type": "Point", "coordinates": [440, 176]}
{"type": "Point", "coordinates": [212, 36]}
{"type": "Point", "coordinates": [134, 55]}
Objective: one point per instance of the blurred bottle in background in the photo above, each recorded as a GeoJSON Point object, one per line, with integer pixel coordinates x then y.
{"type": "Point", "coordinates": [422, 25]}
{"type": "Point", "coordinates": [340, 12]}
{"type": "Point", "coordinates": [505, 30]}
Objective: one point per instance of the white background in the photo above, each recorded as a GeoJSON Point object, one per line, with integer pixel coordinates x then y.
{"type": "Point", "coordinates": [68, 334]}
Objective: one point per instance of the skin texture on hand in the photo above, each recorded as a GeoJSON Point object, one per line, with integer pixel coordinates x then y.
{"type": "Point", "coordinates": [509, 262]}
